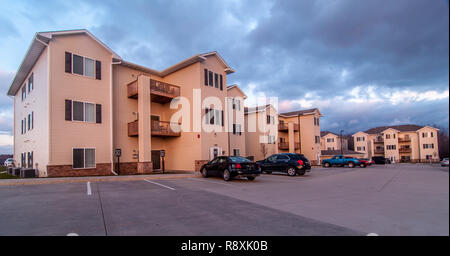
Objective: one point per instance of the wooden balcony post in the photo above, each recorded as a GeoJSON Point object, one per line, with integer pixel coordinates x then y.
{"type": "Point", "coordinates": [291, 137]}
{"type": "Point", "coordinates": [144, 130]}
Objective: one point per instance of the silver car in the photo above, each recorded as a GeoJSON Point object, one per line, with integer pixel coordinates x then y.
{"type": "Point", "coordinates": [444, 162]}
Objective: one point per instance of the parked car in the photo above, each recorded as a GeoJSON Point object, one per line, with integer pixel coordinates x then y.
{"type": "Point", "coordinates": [444, 162]}
{"type": "Point", "coordinates": [340, 160]}
{"type": "Point", "coordinates": [380, 160]}
{"type": "Point", "coordinates": [9, 162]}
{"type": "Point", "coordinates": [364, 161]}
{"type": "Point", "coordinates": [290, 163]}
{"type": "Point", "coordinates": [230, 167]}
{"type": "Point", "coordinates": [370, 161]}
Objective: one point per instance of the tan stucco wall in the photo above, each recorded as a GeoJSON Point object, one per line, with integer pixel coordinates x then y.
{"type": "Point", "coordinates": [65, 135]}
{"type": "Point", "coordinates": [36, 140]}
{"type": "Point", "coordinates": [255, 139]}
{"type": "Point", "coordinates": [428, 140]}
{"type": "Point", "coordinates": [236, 141]}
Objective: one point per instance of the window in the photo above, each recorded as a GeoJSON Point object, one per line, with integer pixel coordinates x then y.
{"type": "Point", "coordinates": [25, 125]}
{"type": "Point", "coordinates": [210, 79]}
{"type": "Point", "coordinates": [317, 139]}
{"type": "Point", "coordinates": [237, 129]}
{"type": "Point", "coordinates": [32, 120]}
{"type": "Point", "coordinates": [424, 134]}
{"type": "Point", "coordinates": [22, 160]}
{"type": "Point", "coordinates": [425, 146]}
{"type": "Point", "coordinates": [330, 139]}
{"type": "Point", "coordinates": [213, 116]}
{"type": "Point", "coordinates": [30, 83]}
{"type": "Point", "coordinates": [30, 159]}
{"type": "Point", "coordinates": [216, 80]}
{"type": "Point", "coordinates": [221, 83]}
{"type": "Point", "coordinates": [89, 67]}
{"type": "Point", "coordinates": [83, 111]}
{"type": "Point", "coordinates": [391, 147]}
{"type": "Point", "coordinates": [236, 152]}
{"type": "Point", "coordinates": [394, 135]}
{"type": "Point", "coordinates": [388, 136]}
{"type": "Point", "coordinates": [316, 121]}
{"type": "Point", "coordinates": [271, 139]}
{"type": "Point", "coordinates": [89, 112]}
{"type": "Point", "coordinates": [29, 121]}
{"type": "Point", "coordinates": [270, 119]}
{"type": "Point", "coordinates": [83, 158]}
{"type": "Point", "coordinates": [76, 64]}
{"type": "Point", "coordinates": [432, 135]}
{"type": "Point", "coordinates": [24, 91]}
{"type": "Point", "coordinates": [206, 76]}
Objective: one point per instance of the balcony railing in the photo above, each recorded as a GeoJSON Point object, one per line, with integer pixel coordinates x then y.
{"type": "Point", "coordinates": [378, 141]}
{"type": "Point", "coordinates": [159, 128]}
{"type": "Point", "coordinates": [404, 150]}
{"type": "Point", "coordinates": [379, 151]}
{"type": "Point", "coordinates": [404, 139]}
{"type": "Point", "coordinates": [283, 127]}
{"type": "Point", "coordinates": [285, 145]}
{"type": "Point", "coordinates": [160, 92]}
{"type": "Point", "coordinates": [164, 128]}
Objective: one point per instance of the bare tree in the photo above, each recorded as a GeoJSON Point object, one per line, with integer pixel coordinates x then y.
{"type": "Point", "coordinates": [443, 141]}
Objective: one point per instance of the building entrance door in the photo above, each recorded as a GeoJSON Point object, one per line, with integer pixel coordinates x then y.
{"type": "Point", "coordinates": [156, 159]}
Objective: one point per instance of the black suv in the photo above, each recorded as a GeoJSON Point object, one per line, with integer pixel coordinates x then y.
{"type": "Point", "coordinates": [290, 163]}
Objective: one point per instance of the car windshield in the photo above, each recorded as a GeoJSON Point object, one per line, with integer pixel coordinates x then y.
{"type": "Point", "coordinates": [239, 159]}
{"type": "Point", "coordinates": [297, 156]}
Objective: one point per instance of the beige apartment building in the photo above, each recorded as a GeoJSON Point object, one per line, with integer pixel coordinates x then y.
{"type": "Point", "coordinates": [332, 141]}
{"type": "Point", "coordinates": [261, 131]}
{"type": "Point", "coordinates": [76, 102]}
{"type": "Point", "coordinates": [399, 143]}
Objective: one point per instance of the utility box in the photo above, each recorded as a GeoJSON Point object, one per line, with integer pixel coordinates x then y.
{"type": "Point", "coordinates": [28, 173]}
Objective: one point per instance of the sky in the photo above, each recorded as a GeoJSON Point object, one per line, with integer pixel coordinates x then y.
{"type": "Point", "coordinates": [362, 63]}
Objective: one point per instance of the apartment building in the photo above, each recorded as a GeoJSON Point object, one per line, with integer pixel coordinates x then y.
{"type": "Point", "coordinates": [332, 141]}
{"type": "Point", "coordinates": [77, 102]}
{"type": "Point", "coordinates": [236, 122]}
{"type": "Point", "coordinates": [299, 132]}
{"type": "Point", "coordinates": [261, 131]}
{"type": "Point", "coordinates": [399, 143]}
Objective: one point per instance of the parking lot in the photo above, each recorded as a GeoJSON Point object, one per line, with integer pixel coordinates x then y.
{"type": "Point", "coordinates": [397, 199]}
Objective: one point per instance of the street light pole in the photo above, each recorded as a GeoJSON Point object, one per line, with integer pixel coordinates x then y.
{"type": "Point", "coordinates": [341, 143]}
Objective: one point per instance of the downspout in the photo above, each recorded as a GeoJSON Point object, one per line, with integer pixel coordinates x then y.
{"type": "Point", "coordinates": [420, 156]}
{"type": "Point", "coordinates": [228, 125]}
{"type": "Point", "coordinates": [111, 116]}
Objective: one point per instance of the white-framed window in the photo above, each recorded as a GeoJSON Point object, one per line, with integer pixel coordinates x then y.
{"type": "Point", "coordinates": [213, 116]}
{"type": "Point", "coordinates": [270, 139]}
{"type": "Point", "coordinates": [83, 66]}
{"type": "Point", "coordinates": [391, 147]}
{"type": "Point", "coordinates": [24, 91]}
{"type": "Point", "coordinates": [426, 146]}
{"type": "Point", "coordinates": [424, 134]}
{"type": "Point", "coordinates": [237, 129]}
{"type": "Point", "coordinates": [83, 158]}
{"type": "Point", "coordinates": [83, 111]}
{"type": "Point", "coordinates": [30, 83]}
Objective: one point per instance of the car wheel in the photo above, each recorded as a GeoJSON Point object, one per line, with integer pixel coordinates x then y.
{"type": "Point", "coordinates": [251, 178]}
{"type": "Point", "coordinates": [351, 165]}
{"type": "Point", "coordinates": [226, 175]}
{"type": "Point", "coordinates": [204, 173]}
{"type": "Point", "coordinates": [362, 165]}
{"type": "Point", "coordinates": [291, 171]}
{"type": "Point", "coordinates": [301, 173]}
{"type": "Point", "coordinates": [327, 165]}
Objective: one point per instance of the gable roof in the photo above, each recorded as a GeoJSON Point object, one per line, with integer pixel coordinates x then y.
{"type": "Point", "coordinates": [400, 128]}
{"type": "Point", "coordinates": [37, 46]}
{"type": "Point", "coordinates": [301, 112]}
{"type": "Point", "coordinates": [325, 133]}
{"type": "Point", "coordinates": [255, 109]}
{"type": "Point", "coordinates": [180, 65]}
{"type": "Point", "coordinates": [237, 88]}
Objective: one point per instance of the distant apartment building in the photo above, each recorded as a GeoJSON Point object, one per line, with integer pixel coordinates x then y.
{"type": "Point", "coordinates": [399, 143]}
{"type": "Point", "coordinates": [332, 141]}
{"type": "Point", "coordinates": [76, 102]}
{"type": "Point", "coordinates": [299, 132]}
{"type": "Point", "coordinates": [261, 131]}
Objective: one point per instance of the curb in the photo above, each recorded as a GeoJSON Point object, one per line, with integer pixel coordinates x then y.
{"type": "Point", "coordinates": [18, 182]}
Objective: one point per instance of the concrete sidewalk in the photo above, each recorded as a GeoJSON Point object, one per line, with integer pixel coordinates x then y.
{"type": "Point", "coordinates": [35, 181]}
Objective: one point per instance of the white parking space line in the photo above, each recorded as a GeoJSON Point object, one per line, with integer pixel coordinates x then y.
{"type": "Point", "coordinates": [210, 181]}
{"type": "Point", "coordinates": [89, 191]}
{"type": "Point", "coordinates": [159, 184]}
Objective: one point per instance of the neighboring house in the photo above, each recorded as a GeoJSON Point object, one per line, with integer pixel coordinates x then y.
{"type": "Point", "coordinates": [299, 132]}
{"type": "Point", "coordinates": [236, 119]}
{"type": "Point", "coordinates": [76, 101]}
{"type": "Point", "coordinates": [326, 154]}
{"type": "Point", "coordinates": [261, 131]}
{"type": "Point", "coordinates": [399, 143]}
{"type": "Point", "coordinates": [332, 141]}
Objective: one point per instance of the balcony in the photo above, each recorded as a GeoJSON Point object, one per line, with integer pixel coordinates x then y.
{"type": "Point", "coordinates": [404, 139]}
{"type": "Point", "coordinates": [283, 127]}
{"type": "Point", "coordinates": [160, 92]}
{"type": "Point", "coordinates": [379, 151]}
{"type": "Point", "coordinates": [159, 128]}
{"type": "Point", "coordinates": [285, 145]}
{"type": "Point", "coordinates": [404, 150]}
{"type": "Point", "coordinates": [164, 128]}
{"type": "Point", "coordinates": [378, 141]}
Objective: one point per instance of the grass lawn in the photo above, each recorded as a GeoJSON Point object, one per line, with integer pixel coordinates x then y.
{"type": "Point", "coordinates": [4, 175]}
